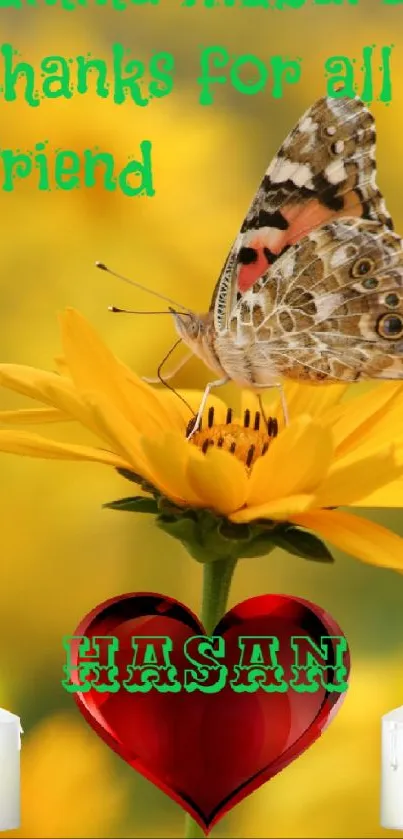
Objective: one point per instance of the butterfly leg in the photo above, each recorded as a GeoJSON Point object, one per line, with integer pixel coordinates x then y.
{"type": "Point", "coordinates": [284, 407]}
{"type": "Point", "coordinates": [171, 374]}
{"type": "Point", "coordinates": [262, 410]}
{"type": "Point", "coordinates": [206, 394]}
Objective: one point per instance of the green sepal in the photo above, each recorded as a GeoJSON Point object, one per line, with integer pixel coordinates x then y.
{"type": "Point", "coordinates": [136, 504]}
{"type": "Point", "coordinates": [137, 479]}
{"type": "Point", "coordinates": [301, 543]}
{"type": "Point", "coordinates": [208, 536]}
{"type": "Point", "coordinates": [168, 508]}
{"type": "Point", "coordinates": [185, 529]}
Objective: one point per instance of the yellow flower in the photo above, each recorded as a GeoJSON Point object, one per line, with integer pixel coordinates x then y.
{"type": "Point", "coordinates": [62, 756]}
{"type": "Point", "coordinates": [331, 454]}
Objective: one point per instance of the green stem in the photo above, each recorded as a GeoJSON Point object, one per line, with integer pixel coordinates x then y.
{"type": "Point", "coordinates": [217, 577]}
{"type": "Point", "coordinates": [192, 829]}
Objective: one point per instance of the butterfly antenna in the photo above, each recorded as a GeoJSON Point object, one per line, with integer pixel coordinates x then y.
{"type": "Point", "coordinates": [116, 310]}
{"type": "Point", "coordinates": [165, 383]}
{"type": "Point", "coordinates": [103, 267]}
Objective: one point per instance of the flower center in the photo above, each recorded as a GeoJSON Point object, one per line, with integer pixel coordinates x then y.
{"type": "Point", "coordinates": [247, 442]}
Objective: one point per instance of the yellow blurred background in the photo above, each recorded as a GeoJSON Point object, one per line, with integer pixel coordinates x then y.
{"type": "Point", "coordinates": [61, 553]}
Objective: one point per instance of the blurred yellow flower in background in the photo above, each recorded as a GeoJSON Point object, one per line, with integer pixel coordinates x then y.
{"type": "Point", "coordinates": [83, 799]}
{"type": "Point", "coordinates": [341, 456]}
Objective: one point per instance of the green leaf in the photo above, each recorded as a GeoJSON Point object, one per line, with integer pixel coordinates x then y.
{"type": "Point", "coordinates": [135, 504]}
{"type": "Point", "coordinates": [301, 543]}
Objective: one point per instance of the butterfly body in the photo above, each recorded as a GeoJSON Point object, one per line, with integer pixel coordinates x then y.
{"type": "Point", "coordinates": [312, 289]}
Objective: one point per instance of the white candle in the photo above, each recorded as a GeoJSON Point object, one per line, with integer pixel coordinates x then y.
{"type": "Point", "coordinates": [392, 770]}
{"type": "Point", "coordinates": [10, 746]}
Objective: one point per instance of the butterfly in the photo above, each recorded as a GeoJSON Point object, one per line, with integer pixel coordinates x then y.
{"type": "Point", "coordinates": [312, 288]}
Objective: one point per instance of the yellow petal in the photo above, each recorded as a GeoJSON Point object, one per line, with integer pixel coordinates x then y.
{"type": "Point", "coordinates": [297, 461]}
{"type": "Point", "coordinates": [167, 459]}
{"type": "Point", "coordinates": [352, 420]}
{"type": "Point", "coordinates": [385, 426]}
{"type": "Point", "coordinates": [301, 399]}
{"type": "Point", "coordinates": [312, 399]}
{"type": "Point", "coordinates": [28, 381]}
{"type": "Point", "coordinates": [61, 366]}
{"type": "Point", "coordinates": [33, 416]}
{"type": "Point", "coordinates": [355, 536]}
{"type": "Point", "coordinates": [33, 445]}
{"type": "Point", "coordinates": [95, 369]}
{"type": "Point", "coordinates": [113, 426]}
{"type": "Point", "coordinates": [388, 495]}
{"type": "Point", "coordinates": [219, 479]}
{"type": "Point", "coordinates": [352, 477]}
{"type": "Point", "coordinates": [161, 402]}
{"type": "Point", "coordinates": [279, 510]}
{"type": "Point", "coordinates": [56, 391]}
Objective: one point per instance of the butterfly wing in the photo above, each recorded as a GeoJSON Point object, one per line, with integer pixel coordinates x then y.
{"type": "Point", "coordinates": [325, 169]}
{"type": "Point", "coordinates": [331, 309]}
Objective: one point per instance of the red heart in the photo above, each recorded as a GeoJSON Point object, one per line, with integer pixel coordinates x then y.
{"type": "Point", "coordinates": [207, 751]}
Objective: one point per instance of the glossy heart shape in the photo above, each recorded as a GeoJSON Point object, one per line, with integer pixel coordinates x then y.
{"type": "Point", "coordinates": [208, 751]}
